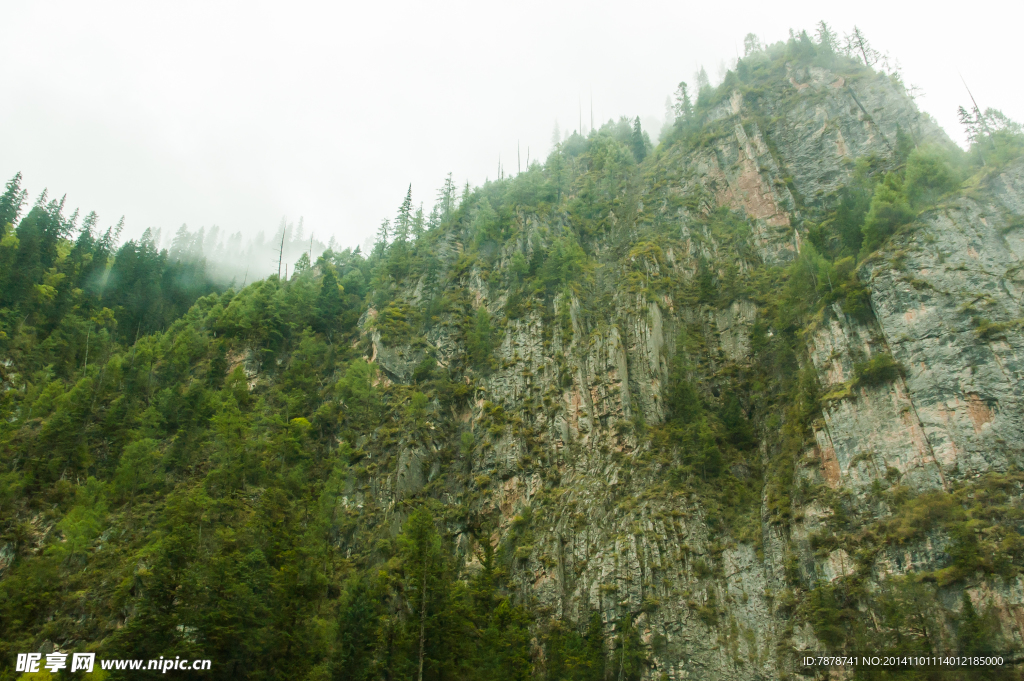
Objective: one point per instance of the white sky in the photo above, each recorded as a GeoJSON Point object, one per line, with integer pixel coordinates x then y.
{"type": "Point", "coordinates": [237, 114]}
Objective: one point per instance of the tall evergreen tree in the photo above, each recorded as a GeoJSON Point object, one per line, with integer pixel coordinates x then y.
{"type": "Point", "coordinates": [858, 47]}
{"type": "Point", "coordinates": [446, 198]}
{"type": "Point", "coordinates": [13, 199]}
{"type": "Point", "coordinates": [403, 223]}
{"type": "Point", "coordinates": [702, 80]}
{"type": "Point", "coordinates": [751, 44]}
{"type": "Point", "coordinates": [827, 38]}
{"type": "Point", "coordinates": [417, 223]}
{"type": "Point", "coordinates": [383, 234]}
{"type": "Point", "coordinates": [683, 105]}
{"type": "Point", "coordinates": [637, 142]}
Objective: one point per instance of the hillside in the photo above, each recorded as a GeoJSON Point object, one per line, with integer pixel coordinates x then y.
{"type": "Point", "coordinates": [686, 411]}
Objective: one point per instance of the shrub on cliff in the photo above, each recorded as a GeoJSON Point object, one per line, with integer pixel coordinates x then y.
{"type": "Point", "coordinates": [879, 369]}
{"type": "Point", "coordinates": [889, 210]}
{"type": "Point", "coordinates": [931, 172]}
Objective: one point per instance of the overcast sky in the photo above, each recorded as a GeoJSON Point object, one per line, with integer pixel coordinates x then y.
{"type": "Point", "coordinates": [237, 114]}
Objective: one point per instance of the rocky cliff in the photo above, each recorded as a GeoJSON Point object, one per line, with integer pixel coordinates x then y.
{"type": "Point", "coordinates": [561, 466]}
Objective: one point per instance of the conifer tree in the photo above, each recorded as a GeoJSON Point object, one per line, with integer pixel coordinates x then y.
{"type": "Point", "coordinates": [858, 47]}
{"type": "Point", "coordinates": [827, 38]}
{"type": "Point", "coordinates": [702, 80]}
{"type": "Point", "coordinates": [683, 107]}
{"type": "Point", "coordinates": [751, 44]}
{"type": "Point", "coordinates": [383, 233]}
{"type": "Point", "coordinates": [637, 142]}
{"type": "Point", "coordinates": [403, 223]}
{"type": "Point", "coordinates": [423, 563]}
{"type": "Point", "coordinates": [10, 203]}
{"type": "Point", "coordinates": [629, 656]}
{"type": "Point", "coordinates": [417, 223]}
{"type": "Point", "coordinates": [446, 198]}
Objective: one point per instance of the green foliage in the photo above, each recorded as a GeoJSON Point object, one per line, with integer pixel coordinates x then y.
{"type": "Point", "coordinates": [995, 139]}
{"type": "Point", "coordinates": [815, 283]}
{"type": "Point", "coordinates": [628, 657]}
{"type": "Point", "coordinates": [905, 615]}
{"type": "Point", "coordinates": [930, 174]}
{"type": "Point", "coordinates": [572, 656]}
{"type": "Point", "coordinates": [356, 389]}
{"type": "Point", "coordinates": [880, 369]}
{"type": "Point", "coordinates": [136, 471]}
{"type": "Point", "coordinates": [83, 523]}
{"type": "Point", "coordinates": [854, 203]}
{"type": "Point", "coordinates": [396, 323]}
{"type": "Point", "coordinates": [889, 210]}
{"type": "Point", "coordinates": [480, 340]}
{"type": "Point", "coordinates": [638, 142]}
{"type": "Point", "coordinates": [329, 301]}
{"type": "Point", "coordinates": [977, 635]}
{"type": "Point", "coordinates": [415, 615]}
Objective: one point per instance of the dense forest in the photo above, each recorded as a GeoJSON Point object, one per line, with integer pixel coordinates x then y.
{"type": "Point", "coordinates": [192, 467]}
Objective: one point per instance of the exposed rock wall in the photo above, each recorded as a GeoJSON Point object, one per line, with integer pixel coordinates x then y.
{"type": "Point", "coordinates": [947, 298]}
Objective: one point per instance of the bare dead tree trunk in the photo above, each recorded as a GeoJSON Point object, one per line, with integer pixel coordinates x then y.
{"type": "Point", "coordinates": [280, 254]}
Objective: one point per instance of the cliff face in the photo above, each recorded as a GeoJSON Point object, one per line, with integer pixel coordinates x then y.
{"type": "Point", "coordinates": [571, 484]}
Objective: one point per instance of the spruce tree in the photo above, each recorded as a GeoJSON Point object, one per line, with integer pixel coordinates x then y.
{"type": "Point", "coordinates": [827, 38]}
{"type": "Point", "coordinates": [637, 142]}
{"type": "Point", "coordinates": [446, 198]}
{"type": "Point", "coordinates": [858, 47]}
{"type": "Point", "coordinates": [417, 223]}
{"type": "Point", "coordinates": [383, 233]}
{"type": "Point", "coordinates": [751, 44]}
{"type": "Point", "coordinates": [702, 80]}
{"type": "Point", "coordinates": [403, 223]}
{"type": "Point", "coordinates": [683, 107]}
{"type": "Point", "coordinates": [10, 204]}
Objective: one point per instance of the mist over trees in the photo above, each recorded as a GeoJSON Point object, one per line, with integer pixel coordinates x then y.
{"type": "Point", "coordinates": [233, 258]}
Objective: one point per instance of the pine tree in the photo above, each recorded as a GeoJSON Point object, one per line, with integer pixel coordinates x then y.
{"type": "Point", "coordinates": [10, 204]}
{"type": "Point", "coordinates": [181, 245]}
{"type": "Point", "coordinates": [435, 218]}
{"type": "Point", "coordinates": [383, 233]}
{"type": "Point", "coordinates": [446, 198]}
{"type": "Point", "coordinates": [403, 223]}
{"type": "Point", "coordinates": [751, 44]}
{"type": "Point", "coordinates": [684, 107]}
{"type": "Point", "coordinates": [974, 635]}
{"type": "Point", "coordinates": [629, 656]}
{"type": "Point", "coordinates": [329, 303]}
{"type": "Point", "coordinates": [858, 47]}
{"type": "Point", "coordinates": [423, 565]}
{"type": "Point", "coordinates": [637, 142]}
{"type": "Point", "coordinates": [702, 80]}
{"type": "Point", "coordinates": [417, 223]}
{"type": "Point", "coordinates": [827, 38]}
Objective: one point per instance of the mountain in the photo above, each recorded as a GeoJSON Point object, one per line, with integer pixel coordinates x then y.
{"type": "Point", "coordinates": [698, 410]}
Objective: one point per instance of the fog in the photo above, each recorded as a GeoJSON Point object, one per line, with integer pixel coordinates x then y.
{"type": "Point", "coordinates": [239, 115]}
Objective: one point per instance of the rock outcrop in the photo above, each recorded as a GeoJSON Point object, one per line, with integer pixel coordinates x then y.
{"type": "Point", "coordinates": [605, 534]}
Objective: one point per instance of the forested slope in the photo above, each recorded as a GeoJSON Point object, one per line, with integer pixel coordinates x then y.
{"type": "Point", "coordinates": [685, 411]}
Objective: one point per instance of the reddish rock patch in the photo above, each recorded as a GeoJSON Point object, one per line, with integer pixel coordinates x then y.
{"type": "Point", "coordinates": [978, 411]}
